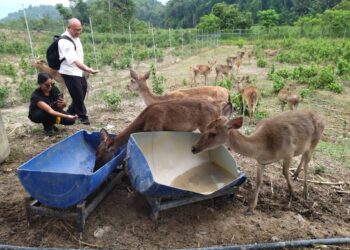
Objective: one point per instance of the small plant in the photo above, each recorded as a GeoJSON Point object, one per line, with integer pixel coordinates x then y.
{"type": "Point", "coordinates": [157, 81]}
{"type": "Point", "coordinates": [320, 169]}
{"type": "Point", "coordinates": [305, 93]}
{"type": "Point", "coordinates": [283, 73]}
{"type": "Point", "coordinates": [7, 69]}
{"type": "Point", "coordinates": [343, 67]}
{"type": "Point", "coordinates": [277, 83]}
{"type": "Point", "coordinates": [112, 100]}
{"type": "Point", "coordinates": [335, 87]}
{"type": "Point", "coordinates": [25, 66]}
{"type": "Point", "coordinates": [325, 78]}
{"type": "Point", "coordinates": [261, 63]}
{"type": "Point", "coordinates": [236, 100]}
{"type": "Point", "coordinates": [225, 84]}
{"type": "Point", "coordinates": [26, 88]}
{"type": "Point", "coordinates": [260, 115]}
{"type": "Point", "coordinates": [4, 92]}
{"type": "Point", "coordinates": [184, 82]}
{"type": "Point", "coordinates": [271, 72]}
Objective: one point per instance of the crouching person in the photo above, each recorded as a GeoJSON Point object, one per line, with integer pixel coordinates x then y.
{"type": "Point", "coordinates": [47, 104]}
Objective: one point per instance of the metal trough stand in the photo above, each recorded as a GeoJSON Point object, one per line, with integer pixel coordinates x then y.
{"type": "Point", "coordinates": [160, 204]}
{"type": "Point", "coordinates": [79, 212]}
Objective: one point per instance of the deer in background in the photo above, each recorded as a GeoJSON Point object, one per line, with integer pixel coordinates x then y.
{"type": "Point", "coordinates": [282, 137]}
{"type": "Point", "coordinates": [286, 96]}
{"type": "Point", "coordinates": [250, 56]}
{"type": "Point", "coordinates": [270, 52]}
{"type": "Point", "coordinates": [202, 69]}
{"type": "Point", "coordinates": [222, 70]}
{"type": "Point", "coordinates": [250, 96]}
{"type": "Point", "coordinates": [239, 60]}
{"type": "Point", "coordinates": [217, 95]}
{"type": "Point", "coordinates": [174, 115]}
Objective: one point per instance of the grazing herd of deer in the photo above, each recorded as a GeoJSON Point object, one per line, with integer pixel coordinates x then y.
{"type": "Point", "coordinates": [208, 108]}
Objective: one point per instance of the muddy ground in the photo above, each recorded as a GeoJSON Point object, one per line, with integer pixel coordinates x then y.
{"type": "Point", "coordinates": [122, 220]}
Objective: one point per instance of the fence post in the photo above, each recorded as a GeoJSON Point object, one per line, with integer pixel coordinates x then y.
{"type": "Point", "coordinates": [131, 48]}
{"type": "Point", "coordinates": [154, 49]}
{"type": "Point", "coordinates": [30, 38]}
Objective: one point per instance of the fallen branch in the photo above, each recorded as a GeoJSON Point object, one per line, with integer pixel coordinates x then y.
{"type": "Point", "coordinates": [324, 182]}
{"type": "Point", "coordinates": [343, 192]}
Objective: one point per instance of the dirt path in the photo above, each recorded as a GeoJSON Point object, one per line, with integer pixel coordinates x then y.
{"type": "Point", "coordinates": [124, 215]}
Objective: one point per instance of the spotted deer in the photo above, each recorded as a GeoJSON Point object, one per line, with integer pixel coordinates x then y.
{"type": "Point", "coordinates": [223, 70]}
{"type": "Point", "coordinates": [250, 96]}
{"type": "Point", "coordinates": [217, 95]}
{"type": "Point", "coordinates": [174, 115]}
{"type": "Point", "coordinates": [202, 69]}
{"type": "Point", "coordinates": [282, 137]}
{"type": "Point", "coordinates": [287, 96]}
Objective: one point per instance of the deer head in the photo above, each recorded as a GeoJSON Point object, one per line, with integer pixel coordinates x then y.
{"type": "Point", "coordinates": [138, 82]}
{"type": "Point", "coordinates": [105, 149]}
{"type": "Point", "coordinates": [216, 133]}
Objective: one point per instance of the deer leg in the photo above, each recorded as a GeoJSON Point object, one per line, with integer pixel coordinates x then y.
{"type": "Point", "coordinates": [286, 164]}
{"type": "Point", "coordinates": [205, 79]}
{"type": "Point", "coordinates": [259, 179]}
{"type": "Point", "coordinates": [302, 161]}
{"type": "Point", "coordinates": [282, 106]}
{"type": "Point", "coordinates": [290, 105]}
{"type": "Point", "coordinates": [306, 163]}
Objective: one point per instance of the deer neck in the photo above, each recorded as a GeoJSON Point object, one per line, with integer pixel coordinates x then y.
{"type": "Point", "coordinates": [242, 144]}
{"type": "Point", "coordinates": [123, 137]}
{"type": "Point", "coordinates": [149, 97]}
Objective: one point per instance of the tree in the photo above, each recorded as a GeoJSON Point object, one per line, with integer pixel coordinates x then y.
{"type": "Point", "coordinates": [209, 23]}
{"type": "Point", "coordinates": [268, 18]}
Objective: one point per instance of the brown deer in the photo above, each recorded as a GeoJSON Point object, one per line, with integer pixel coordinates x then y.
{"type": "Point", "coordinates": [286, 96]}
{"type": "Point", "coordinates": [239, 60]}
{"type": "Point", "coordinates": [250, 56]}
{"type": "Point", "coordinates": [282, 137]}
{"type": "Point", "coordinates": [42, 66]}
{"type": "Point", "coordinates": [217, 95]}
{"type": "Point", "coordinates": [222, 70]}
{"type": "Point", "coordinates": [231, 60]}
{"type": "Point", "coordinates": [202, 69]}
{"type": "Point", "coordinates": [270, 52]}
{"type": "Point", "coordinates": [250, 96]}
{"type": "Point", "coordinates": [174, 115]}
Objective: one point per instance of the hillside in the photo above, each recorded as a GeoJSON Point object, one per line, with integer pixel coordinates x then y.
{"type": "Point", "coordinates": [34, 12]}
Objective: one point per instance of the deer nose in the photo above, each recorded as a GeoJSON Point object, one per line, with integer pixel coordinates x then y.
{"type": "Point", "coordinates": [193, 150]}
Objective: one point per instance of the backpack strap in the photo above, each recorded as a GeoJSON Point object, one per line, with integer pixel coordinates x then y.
{"type": "Point", "coordinates": [69, 39]}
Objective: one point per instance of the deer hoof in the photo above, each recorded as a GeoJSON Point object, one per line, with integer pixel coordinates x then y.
{"type": "Point", "coordinates": [249, 212]}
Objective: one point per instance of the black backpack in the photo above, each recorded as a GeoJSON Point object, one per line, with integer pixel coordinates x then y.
{"type": "Point", "coordinates": [52, 55]}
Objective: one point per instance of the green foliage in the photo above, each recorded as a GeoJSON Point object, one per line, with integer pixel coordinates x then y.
{"type": "Point", "coordinates": [268, 18]}
{"type": "Point", "coordinates": [271, 72]}
{"type": "Point", "coordinates": [283, 73]}
{"type": "Point", "coordinates": [319, 169]}
{"type": "Point", "coordinates": [25, 66]}
{"type": "Point", "coordinates": [112, 100]}
{"type": "Point", "coordinates": [225, 84]}
{"type": "Point", "coordinates": [209, 23]}
{"type": "Point", "coordinates": [303, 73]}
{"type": "Point", "coordinates": [26, 88]}
{"type": "Point", "coordinates": [261, 63]}
{"type": "Point", "coordinates": [304, 93]}
{"type": "Point", "coordinates": [277, 83]}
{"type": "Point", "coordinates": [335, 87]}
{"type": "Point", "coordinates": [325, 78]}
{"type": "Point", "coordinates": [343, 67]}
{"type": "Point", "coordinates": [4, 92]}
{"type": "Point", "coordinates": [236, 100]}
{"type": "Point", "coordinates": [157, 81]}
{"type": "Point", "coordinates": [7, 69]}
{"type": "Point", "coordinates": [260, 115]}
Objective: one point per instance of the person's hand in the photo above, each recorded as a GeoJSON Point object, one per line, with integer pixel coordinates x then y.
{"type": "Point", "coordinates": [72, 117]}
{"type": "Point", "coordinates": [91, 71]}
{"type": "Point", "coordinates": [61, 103]}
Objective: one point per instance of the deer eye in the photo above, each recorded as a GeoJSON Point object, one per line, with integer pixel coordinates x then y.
{"type": "Point", "coordinates": [211, 135]}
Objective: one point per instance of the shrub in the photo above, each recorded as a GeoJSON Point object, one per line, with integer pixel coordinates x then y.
{"type": "Point", "coordinates": [225, 84]}
{"type": "Point", "coordinates": [25, 66]}
{"type": "Point", "coordinates": [261, 63]}
{"type": "Point", "coordinates": [157, 81]}
{"type": "Point", "coordinates": [271, 72]}
{"type": "Point", "coordinates": [305, 93]}
{"type": "Point", "coordinates": [303, 73]}
{"type": "Point", "coordinates": [283, 73]}
{"type": "Point", "coordinates": [112, 100]}
{"type": "Point", "coordinates": [236, 100]}
{"type": "Point", "coordinates": [343, 67]}
{"type": "Point", "coordinates": [26, 88]}
{"type": "Point", "coordinates": [277, 83]}
{"type": "Point", "coordinates": [335, 87]}
{"type": "Point", "coordinates": [325, 78]}
{"type": "Point", "coordinates": [4, 92]}
{"type": "Point", "coordinates": [7, 69]}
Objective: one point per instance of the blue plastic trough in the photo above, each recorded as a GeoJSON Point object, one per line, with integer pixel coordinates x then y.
{"type": "Point", "coordinates": [160, 164]}
{"type": "Point", "coordinates": [61, 176]}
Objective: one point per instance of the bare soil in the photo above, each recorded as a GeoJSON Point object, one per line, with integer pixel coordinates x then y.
{"type": "Point", "coordinates": [123, 217]}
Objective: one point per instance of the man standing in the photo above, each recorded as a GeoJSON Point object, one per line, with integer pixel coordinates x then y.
{"type": "Point", "coordinates": [72, 68]}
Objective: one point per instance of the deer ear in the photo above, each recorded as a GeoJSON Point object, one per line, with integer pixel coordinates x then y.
{"type": "Point", "coordinates": [133, 74]}
{"type": "Point", "coordinates": [235, 123]}
{"type": "Point", "coordinates": [103, 135]}
{"type": "Point", "coordinates": [146, 76]}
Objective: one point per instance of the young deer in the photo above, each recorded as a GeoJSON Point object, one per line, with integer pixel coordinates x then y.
{"type": "Point", "coordinates": [217, 95]}
{"type": "Point", "coordinates": [286, 96]}
{"type": "Point", "coordinates": [250, 96]}
{"type": "Point", "coordinates": [173, 115]}
{"type": "Point", "coordinates": [202, 69]}
{"type": "Point", "coordinates": [279, 138]}
{"type": "Point", "coordinates": [239, 60]}
{"type": "Point", "coordinates": [223, 70]}
{"type": "Point", "coordinates": [231, 60]}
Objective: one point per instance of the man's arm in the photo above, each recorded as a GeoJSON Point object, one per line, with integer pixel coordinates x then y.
{"type": "Point", "coordinates": [85, 68]}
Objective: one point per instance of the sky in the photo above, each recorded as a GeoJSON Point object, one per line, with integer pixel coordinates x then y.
{"type": "Point", "coordinates": [8, 6]}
